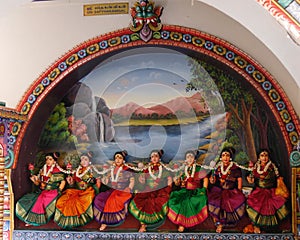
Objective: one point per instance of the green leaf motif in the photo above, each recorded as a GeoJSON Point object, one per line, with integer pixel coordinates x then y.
{"type": "Point", "coordinates": [134, 37]}
{"type": "Point", "coordinates": [156, 35]}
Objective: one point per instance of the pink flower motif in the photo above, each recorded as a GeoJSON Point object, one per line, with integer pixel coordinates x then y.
{"type": "Point", "coordinates": [251, 164]}
{"type": "Point", "coordinates": [69, 166]}
{"type": "Point", "coordinates": [30, 167]}
{"type": "Point", "coordinates": [143, 3]}
{"type": "Point", "coordinates": [105, 167]}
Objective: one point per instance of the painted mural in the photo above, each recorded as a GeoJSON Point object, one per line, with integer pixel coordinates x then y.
{"type": "Point", "coordinates": [138, 101]}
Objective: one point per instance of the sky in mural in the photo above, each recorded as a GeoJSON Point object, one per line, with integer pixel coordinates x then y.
{"type": "Point", "coordinates": [147, 78]}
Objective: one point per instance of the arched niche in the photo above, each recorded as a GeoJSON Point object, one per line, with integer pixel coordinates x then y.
{"type": "Point", "coordinates": [49, 88]}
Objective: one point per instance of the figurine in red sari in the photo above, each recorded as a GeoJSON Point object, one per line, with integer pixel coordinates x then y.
{"type": "Point", "coordinates": [150, 205]}
{"type": "Point", "coordinates": [265, 207]}
{"type": "Point", "coordinates": [111, 206]}
{"type": "Point", "coordinates": [37, 208]}
{"type": "Point", "coordinates": [226, 202]}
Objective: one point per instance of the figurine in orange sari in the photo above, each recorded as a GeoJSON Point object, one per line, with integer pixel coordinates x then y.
{"type": "Point", "coordinates": [74, 208]}
{"type": "Point", "coordinates": [111, 206]}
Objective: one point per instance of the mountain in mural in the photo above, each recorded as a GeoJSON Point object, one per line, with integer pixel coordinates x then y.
{"type": "Point", "coordinates": [186, 105]}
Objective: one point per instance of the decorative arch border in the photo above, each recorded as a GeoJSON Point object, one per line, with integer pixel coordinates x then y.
{"type": "Point", "coordinates": [169, 35]}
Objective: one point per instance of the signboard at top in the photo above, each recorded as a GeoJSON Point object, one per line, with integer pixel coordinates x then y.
{"type": "Point", "coordinates": [105, 9]}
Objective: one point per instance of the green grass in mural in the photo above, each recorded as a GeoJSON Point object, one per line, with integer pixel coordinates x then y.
{"type": "Point", "coordinates": [160, 122]}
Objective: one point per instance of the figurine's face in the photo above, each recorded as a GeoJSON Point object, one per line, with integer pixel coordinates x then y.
{"type": "Point", "coordinates": [263, 157]}
{"type": "Point", "coordinates": [49, 160]}
{"type": "Point", "coordinates": [84, 161]}
{"type": "Point", "coordinates": [119, 160]}
{"type": "Point", "coordinates": [155, 157]}
{"type": "Point", "coordinates": [225, 158]}
{"type": "Point", "coordinates": [189, 159]}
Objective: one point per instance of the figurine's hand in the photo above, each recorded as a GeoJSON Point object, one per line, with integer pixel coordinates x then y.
{"type": "Point", "coordinates": [35, 179]}
{"type": "Point", "coordinates": [142, 179]}
{"type": "Point", "coordinates": [250, 179]}
{"type": "Point", "coordinates": [70, 180]}
{"type": "Point", "coordinates": [170, 180]}
{"type": "Point", "coordinates": [105, 180]}
{"type": "Point", "coordinates": [92, 180]}
{"type": "Point", "coordinates": [32, 178]}
{"type": "Point", "coordinates": [212, 179]}
{"type": "Point", "coordinates": [98, 182]}
{"type": "Point", "coordinates": [176, 181]}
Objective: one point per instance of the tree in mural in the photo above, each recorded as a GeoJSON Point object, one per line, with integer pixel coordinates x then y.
{"type": "Point", "coordinates": [202, 81]}
{"type": "Point", "coordinates": [238, 102]}
{"type": "Point", "coordinates": [261, 121]}
{"type": "Point", "coordinates": [56, 130]}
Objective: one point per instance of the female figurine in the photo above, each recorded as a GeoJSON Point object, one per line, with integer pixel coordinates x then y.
{"type": "Point", "coordinates": [150, 207]}
{"type": "Point", "coordinates": [226, 202]}
{"type": "Point", "coordinates": [188, 206]}
{"type": "Point", "coordinates": [264, 207]}
{"type": "Point", "coordinates": [111, 206]}
{"type": "Point", "coordinates": [74, 207]}
{"type": "Point", "coordinates": [37, 208]}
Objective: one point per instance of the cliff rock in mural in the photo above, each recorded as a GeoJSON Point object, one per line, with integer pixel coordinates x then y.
{"type": "Point", "coordinates": [79, 118]}
{"type": "Point", "coordinates": [91, 112]}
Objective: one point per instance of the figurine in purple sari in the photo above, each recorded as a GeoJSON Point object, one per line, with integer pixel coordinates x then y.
{"type": "Point", "coordinates": [226, 201]}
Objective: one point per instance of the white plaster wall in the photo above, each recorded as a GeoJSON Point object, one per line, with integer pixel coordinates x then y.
{"type": "Point", "coordinates": [34, 35]}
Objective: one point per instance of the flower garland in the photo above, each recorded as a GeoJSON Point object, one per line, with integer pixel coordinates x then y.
{"type": "Point", "coordinates": [64, 171]}
{"type": "Point", "coordinates": [159, 172]}
{"type": "Point", "coordinates": [83, 173]}
{"type": "Point", "coordinates": [173, 170]}
{"type": "Point", "coordinates": [205, 166]}
{"type": "Point", "coordinates": [186, 172]}
{"type": "Point", "coordinates": [113, 178]}
{"type": "Point", "coordinates": [135, 168]}
{"type": "Point", "coordinates": [100, 172]}
{"type": "Point", "coordinates": [138, 169]}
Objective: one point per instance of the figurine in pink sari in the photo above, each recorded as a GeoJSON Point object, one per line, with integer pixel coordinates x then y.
{"type": "Point", "coordinates": [37, 208]}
